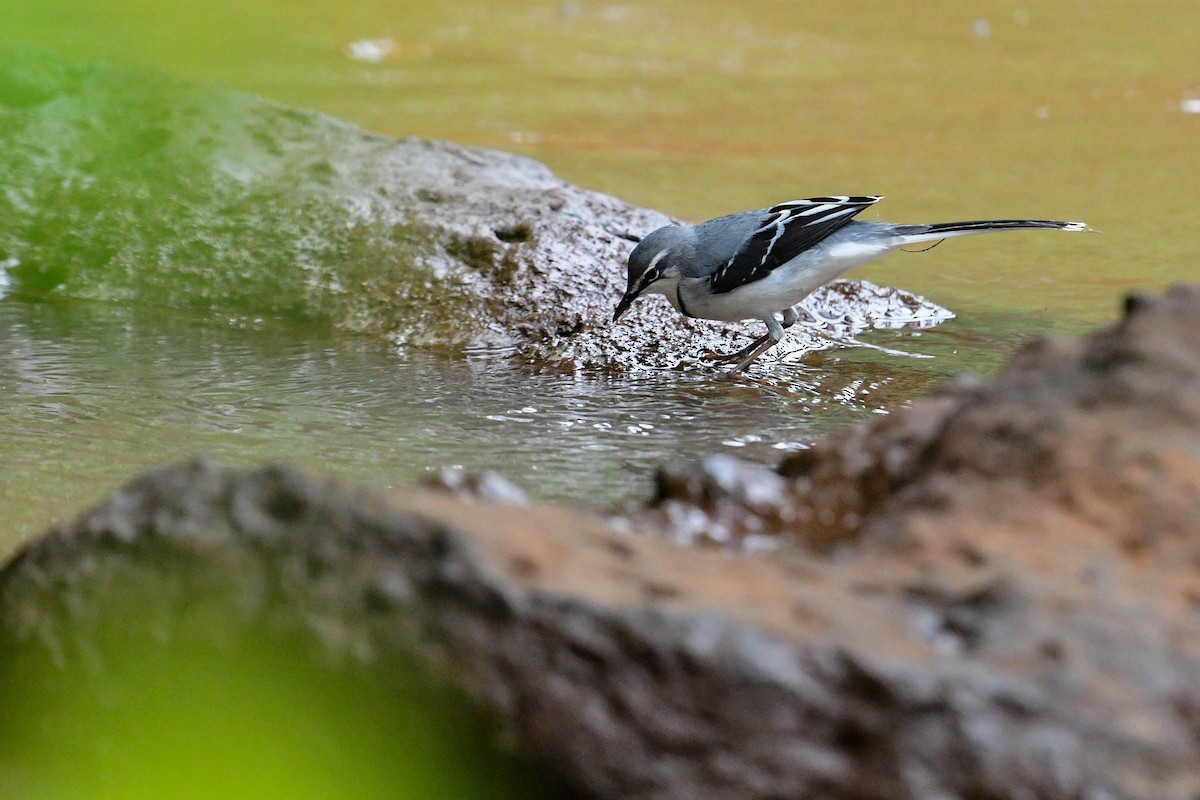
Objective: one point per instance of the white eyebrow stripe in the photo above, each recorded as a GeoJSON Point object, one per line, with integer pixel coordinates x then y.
{"type": "Point", "coordinates": [654, 261]}
{"type": "Point", "coordinates": [644, 280]}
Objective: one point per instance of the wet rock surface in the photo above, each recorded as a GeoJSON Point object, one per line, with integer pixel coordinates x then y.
{"type": "Point", "coordinates": [989, 594]}
{"type": "Point", "coordinates": [1101, 431]}
{"type": "Point", "coordinates": [130, 186]}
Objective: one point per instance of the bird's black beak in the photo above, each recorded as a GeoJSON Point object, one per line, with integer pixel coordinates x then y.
{"type": "Point", "coordinates": [625, 303]}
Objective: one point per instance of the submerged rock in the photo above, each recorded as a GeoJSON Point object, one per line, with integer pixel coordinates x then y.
{"type": "Point", "coordinates": [989, 594]}
{"type": "Point", "coordinates": [130, 186]}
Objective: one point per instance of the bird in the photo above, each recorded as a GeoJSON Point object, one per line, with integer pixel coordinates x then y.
{"type": "Point", "coordinates": [760, 264]}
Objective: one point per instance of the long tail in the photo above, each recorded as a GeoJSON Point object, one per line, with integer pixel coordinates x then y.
{"type": "Point", "coordinates": [913, 234]}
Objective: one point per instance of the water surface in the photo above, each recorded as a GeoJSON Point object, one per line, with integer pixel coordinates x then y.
{"type": "Point", "coordinates": [96, 393]}
{"type": "Point", "coordinates": [959, 109]}
{"type": "Point", "coordinates": [954, 110]}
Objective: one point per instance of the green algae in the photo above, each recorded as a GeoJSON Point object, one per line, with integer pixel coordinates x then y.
{"type": "Point", "coordinates": [124, 186]}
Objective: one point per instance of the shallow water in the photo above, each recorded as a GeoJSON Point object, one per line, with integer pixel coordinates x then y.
{"type": "Point", "coordinates": [95, 394]}
{"type": "Point", "coordinates": [955, 110]}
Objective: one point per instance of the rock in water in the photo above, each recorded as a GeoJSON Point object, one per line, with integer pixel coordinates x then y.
{"type": "Point", "coordinates": [131, 186]}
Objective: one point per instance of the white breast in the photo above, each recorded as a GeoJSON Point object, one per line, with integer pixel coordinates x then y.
{"type": "Point", "coordinates": [787, 285]}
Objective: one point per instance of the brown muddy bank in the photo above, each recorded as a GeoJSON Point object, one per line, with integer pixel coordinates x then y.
{"type": "Point", "coordinates": [989, 594]}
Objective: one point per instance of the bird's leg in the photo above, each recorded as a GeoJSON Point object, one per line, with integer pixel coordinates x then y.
{"type": "Point", "coordinates": [760, 345]}
{"type": "Point", "coordinates": [729, 358]}
{"type": "Point", "coordinates": [764, 343]}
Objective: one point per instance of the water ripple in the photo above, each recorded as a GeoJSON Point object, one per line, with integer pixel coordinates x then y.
{"type": "Point", "coordinates": [96, 394]}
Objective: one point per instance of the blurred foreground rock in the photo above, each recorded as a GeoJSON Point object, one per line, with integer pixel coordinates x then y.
{"type": "Point", "coordinates": [130, 186]}
{"type": "Point", "coordinates": [991, 594]}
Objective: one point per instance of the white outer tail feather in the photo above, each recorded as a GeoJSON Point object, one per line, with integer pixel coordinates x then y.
{"type": "Point", "coordinates": [949, 230]}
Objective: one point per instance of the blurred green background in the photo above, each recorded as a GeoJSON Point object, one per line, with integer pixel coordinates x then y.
{"type": "Point", "coordinates": [159, 685]}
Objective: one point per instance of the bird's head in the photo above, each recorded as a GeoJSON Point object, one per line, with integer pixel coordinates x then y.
{"type": "Point", "coordinates": [653, 266]}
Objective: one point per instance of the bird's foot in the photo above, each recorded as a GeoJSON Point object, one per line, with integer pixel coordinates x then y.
{"type": "Point", "coordinates": [733, 358]}
{"type": "Point", "coordinates": [720, 359]}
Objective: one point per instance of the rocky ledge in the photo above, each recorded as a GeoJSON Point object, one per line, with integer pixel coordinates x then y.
{"type": "Point", "coordinates": [135, 187]}
{"type": "Point", "coordinates": [990, 594]}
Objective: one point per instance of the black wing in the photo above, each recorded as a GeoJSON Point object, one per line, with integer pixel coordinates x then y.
{"type": "Point", "coordinates": [788, 230]}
